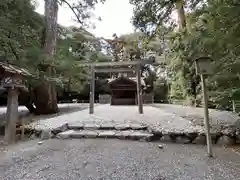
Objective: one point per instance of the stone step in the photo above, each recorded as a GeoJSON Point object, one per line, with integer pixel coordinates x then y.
{"type": "Point", "coordinates": [146, 136]}
{"type": "Point", "coordinates": [126, 134]}
{"type": "Point", "coordinates": [106, 126]}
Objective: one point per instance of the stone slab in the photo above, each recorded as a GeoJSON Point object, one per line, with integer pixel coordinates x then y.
{"type": "Point", "coordinates": [84, 134]}
{"type": "Point", "coordinates": [107, 126]}
{"type": "Point", "coordinates": [138, 127]}
{"type": "Point", "coordinates": [122, 126]}
{"type": "Point", "coordinates": [107, 134]}
{"type": "Point", "coordinates": [124, 134]}
{"type": "Point", "coordinates": [65, 135]}
{"type": "Point", "coordinates": [140, 136]}
{"type": "Point", "coordinates": [62, 128]}
{"type": "Point", "coordinates": [91, 126]}
{"type": "Point", "coordinates": [76, 125]}
{"type": "Point", "coordinates": [46, 134]}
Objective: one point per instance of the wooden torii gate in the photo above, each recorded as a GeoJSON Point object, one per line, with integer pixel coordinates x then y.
{"type": "Point", "coordinates": [122, 66]}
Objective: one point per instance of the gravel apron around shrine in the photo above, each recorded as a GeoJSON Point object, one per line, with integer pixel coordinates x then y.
{"type": "Point", "coordinates": [124, 122]}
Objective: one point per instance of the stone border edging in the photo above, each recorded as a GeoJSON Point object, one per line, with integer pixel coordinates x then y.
{"type": "Point", "coordinates": [197, 138]}
{"type": "Point", "coordinates": [219, 138]}
{"type": "Point", "coordinates": [124, 135]}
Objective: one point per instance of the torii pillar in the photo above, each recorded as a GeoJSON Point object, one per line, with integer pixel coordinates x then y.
{"type": "Point", "coordinates": [139, 89]}
{"type": "Point", "coordinates": [92, 90]}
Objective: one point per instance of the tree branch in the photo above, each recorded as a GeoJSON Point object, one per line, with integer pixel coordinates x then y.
{"type": "Point", "coordinates": [72, 8]}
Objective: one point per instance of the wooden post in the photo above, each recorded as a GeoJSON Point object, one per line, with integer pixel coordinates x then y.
{"type": "Point", "coordinates": [12, 116]}
{"type": "Point", "coordinates": [206, 117]}
{"type": "Point", "coordinates": [139, 89]}
{"type": "Point", "coordinates": [92, 90]}
{"type": "Point", "coordinates": [233, 106]}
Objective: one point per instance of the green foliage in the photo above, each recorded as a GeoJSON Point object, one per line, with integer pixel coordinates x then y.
{"type": "Point", "coordinates": [149, 15]}
{"type": "Point", "coordinates": [223, 22]}
{"type": "Point", "coordinates": [21, 36]}
{"type": "Point", "coordinates": [213, 32]}
{"type": "Point", "coordinates": [19, 28]}
{"type": "Point", "coordinates": [160, 90]}
{"type": "Point", "coordinates": [74, 46]}
{"type": "Point", "coordinates": [212, 29]}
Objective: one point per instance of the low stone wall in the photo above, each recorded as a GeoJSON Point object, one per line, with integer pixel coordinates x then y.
{"type": "Point", "coordinates": [137, 132]}
{"type": "Point", "coordinates": [104, 98]}
{"type": "Point", "coordinates": [142, 132]}
{"type": "Point", "coordinates": [224, 136]}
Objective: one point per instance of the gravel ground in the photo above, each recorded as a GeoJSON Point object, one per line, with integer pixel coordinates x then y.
{"type": "Point", "coordinates": [115, 159]}
{"type": "Point", "coordinates": [153, 117]}
{"type": "Point", "coordinates": [23, 111]}
{"type": "Point", "coordinates": [158, 117]}
{"type": "Point", "coordinates": [195, 115]}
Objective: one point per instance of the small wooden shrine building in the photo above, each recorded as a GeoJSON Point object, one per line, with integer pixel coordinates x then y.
{"type": "Point", "coordinates": [123, 91]}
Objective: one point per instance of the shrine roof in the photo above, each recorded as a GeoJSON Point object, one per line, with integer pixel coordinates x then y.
{"type": "Point", "coordinates": [133, 79]}
{"type": "Point", "coordinates": [14, 69]}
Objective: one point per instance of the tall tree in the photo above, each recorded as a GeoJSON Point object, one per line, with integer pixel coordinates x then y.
{"type": "Point", "coordinates": [211, 30]}
{"type": "Point", "coordinates": [81, 10]}
{"type": "Point", "coordinates": [149, 14]}
{"type": "Point", "coordinates": [26, 43]}
{"type": "Point", "coordinates": [181, 13]}
{"type": "Point", "coordinates": [46, 97]}
{"type": "Point", "coordinates": [152, 15]}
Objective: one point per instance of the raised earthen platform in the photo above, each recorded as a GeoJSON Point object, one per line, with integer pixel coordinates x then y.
{"type": "Point", "coordinates": [156, 124]}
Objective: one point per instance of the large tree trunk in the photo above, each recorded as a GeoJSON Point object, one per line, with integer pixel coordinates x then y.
{"type": "Point", "coordinates": [181, 14]}
{"type": "Point", "coordinates": [183, 26]}
{"type": "Point", "coordinates": [45, 94]}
